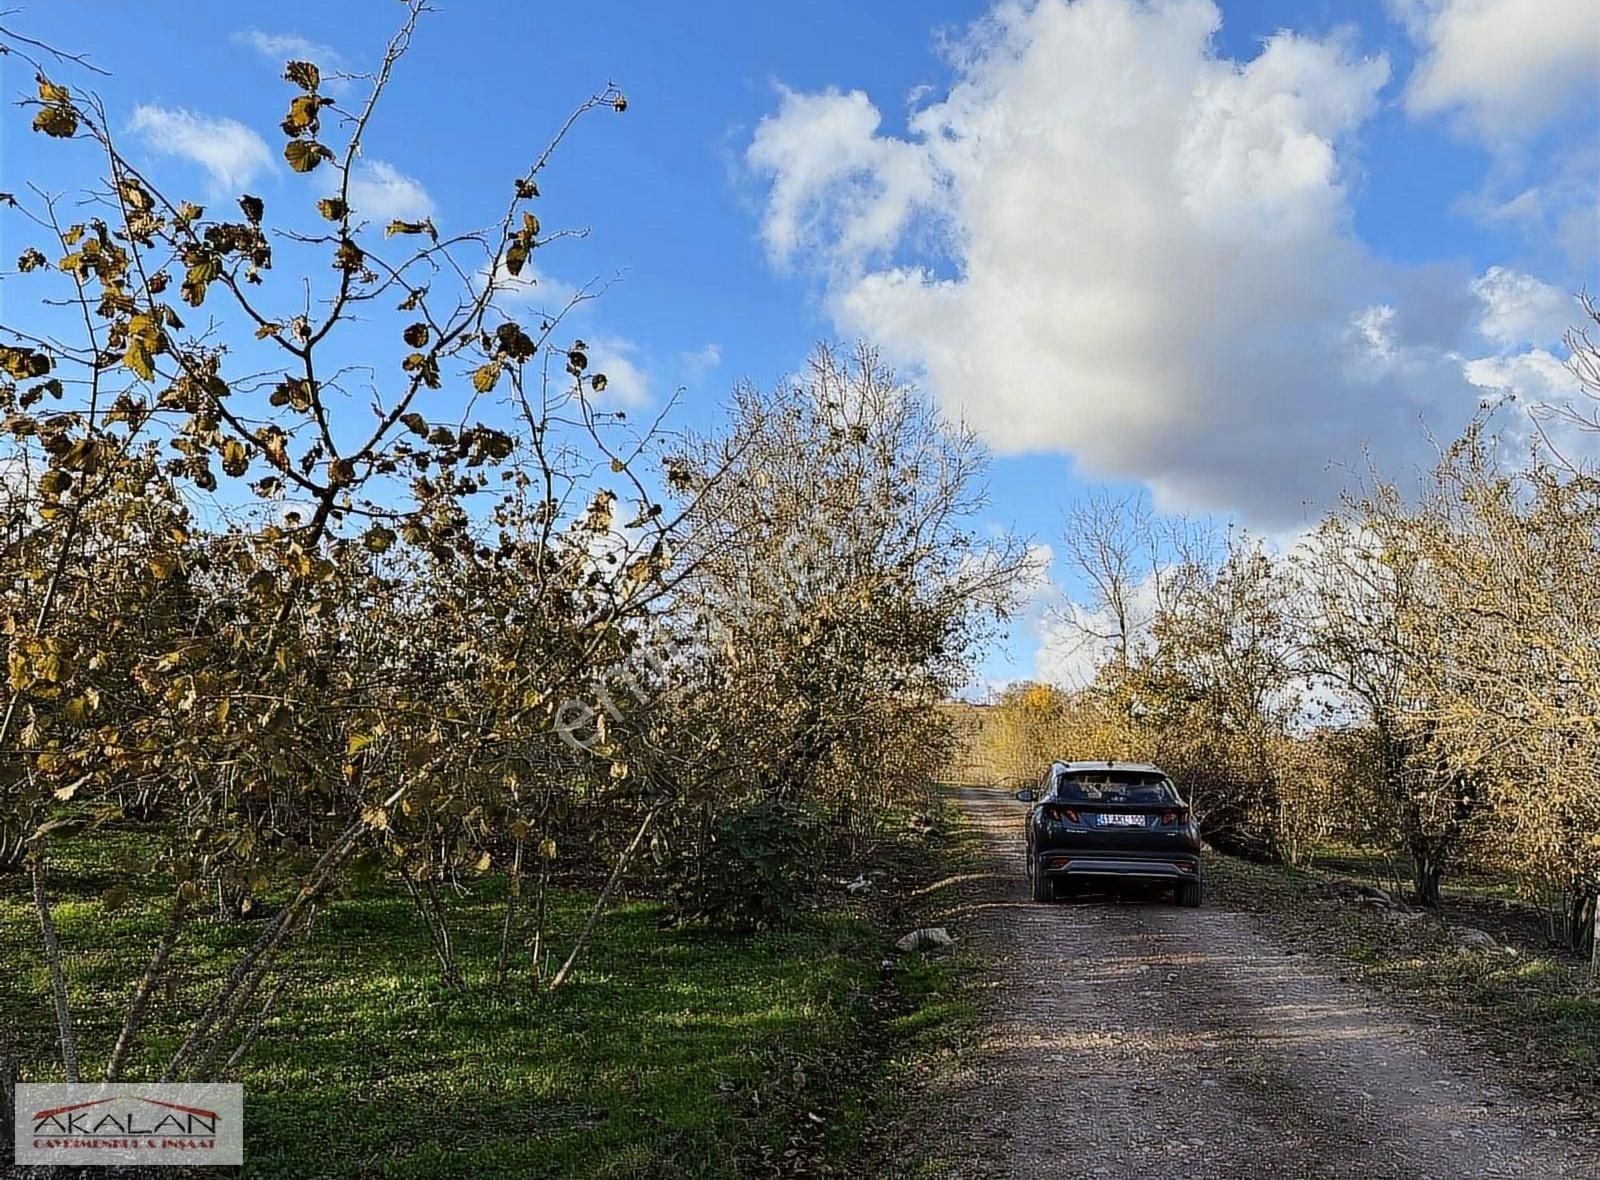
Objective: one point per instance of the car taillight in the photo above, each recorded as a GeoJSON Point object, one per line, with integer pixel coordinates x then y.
{"type": "Point", "coordinates": [1071, 813]}
{"type": "Point", "coordinates": [1168, 817]}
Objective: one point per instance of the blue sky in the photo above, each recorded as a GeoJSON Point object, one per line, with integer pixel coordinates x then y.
{"type": "Point", "coordinates": [1201, 249]}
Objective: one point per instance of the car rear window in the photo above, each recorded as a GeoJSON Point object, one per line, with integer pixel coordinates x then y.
{"type": "Point", "coordinates": [1114, 787]}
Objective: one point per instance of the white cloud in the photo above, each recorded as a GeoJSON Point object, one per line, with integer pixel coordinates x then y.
{"type": "Point", "coordinates": [833, 175]}
{"type": "Point", "coordinates": [531, 289]}
{"type": "Point", "coordinates": [1068, 655]}
{"type": "Point", "coordinates": [1107, 240]}
{"type": "Point", "coordinates": [1556, 406]}
{"type": "Point", "coordinates": [1520, 309]}
{"type": "Point", "coordinates": [231, 153]}
{"type": "Point", "coordinates": [1536, 377]}
{"type": "Point", "coordinates": [283, 47]}
{"type": "Point", "coordinates": [627, 384]}
{"type": "Point", "coordinates": [1559, 208]}
{"type": "Point", "coordinates": [1076, 641]}
{"type": "Point", "coordinates": [701, 361]}
{"type": "Point", "coordinates": [380, 192]}
{"type": "Point", "coordinates": [1506, 67]}
{"type": "Point", "coordinates": [279, 48]}
{"type": "Point", "coordinates": [1034, 582]}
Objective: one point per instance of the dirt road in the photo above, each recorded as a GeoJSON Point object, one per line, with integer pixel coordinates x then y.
{"type": "Point", "coordinates": [1131, 1038]}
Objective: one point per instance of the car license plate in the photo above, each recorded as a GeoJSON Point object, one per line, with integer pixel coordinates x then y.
{"type": "Point", "coordinates": [1121, 821]}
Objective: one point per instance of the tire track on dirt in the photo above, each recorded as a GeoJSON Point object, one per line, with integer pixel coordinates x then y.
{"type": "Point", "coordinates": [1130, 1038]}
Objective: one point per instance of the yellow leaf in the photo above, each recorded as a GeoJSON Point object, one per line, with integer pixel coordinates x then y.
{"type": "Point", "coordinates": [50, 92]}
{"type": "Point", "coordinates": [357, 743]}
{"type": "Point", "coordinates": [138, 358]}
{"type": "Point", "coordinates": [163, 566]}
{"type": "Point", "coordinates": [83, 455]}
{"type": "Point", "coordinates": [484, 379]}
{"type": "Point", "coordinates": [302, 114]}
{"type": "Point", "coordinates": [60, 122]}
{"type": "Point", "coordinates": [303, 74]}
{"type": "Point", "coordinates": [134, 196]}
{"type": "Point", "coordinates": [304, 155]}
{"type": "Point", "coordinates": [54, 482]}
{"type": "Point", "coordinates": [235, 459]}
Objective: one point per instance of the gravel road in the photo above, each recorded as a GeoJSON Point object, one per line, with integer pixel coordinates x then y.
{"type": "Point", "coordinates": [1127, 1037]}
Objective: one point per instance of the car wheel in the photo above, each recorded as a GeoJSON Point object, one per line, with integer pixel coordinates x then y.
{"type": "Point", "coordinates": [1191, 893]}
{"type": "Point", "coordinates": [1043, 889]}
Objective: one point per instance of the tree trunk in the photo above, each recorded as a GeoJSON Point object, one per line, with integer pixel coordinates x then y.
{"type": "Point", "coordinates": [1427, 872]}
{"type": "Point", "coordinates": [1583, 923]}
{"type": "Point", "coordinates": [425, 900]}
{"type": "Point", "coordinates": [538, 919]}
{"type": "Point", "coordinates": [8, 1092]}
{"type": "Point", "coordinates": [1594, 935]}
{"type": "Point", "coordinates": [605, 896]}
{"type": "Point", "coordinates": [58, 979]}
{"type": "Point", "coordinates": [513, 892]}
{"type": "Point", "coordinates": [141, 996]}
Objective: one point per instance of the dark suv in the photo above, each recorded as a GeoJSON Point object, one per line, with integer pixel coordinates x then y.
{"type": "Point", "coordinates": [1095, 820]}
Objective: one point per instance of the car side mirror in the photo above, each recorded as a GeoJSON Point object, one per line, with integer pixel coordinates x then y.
{"type": "Point", "coordinates": [1026, 795]}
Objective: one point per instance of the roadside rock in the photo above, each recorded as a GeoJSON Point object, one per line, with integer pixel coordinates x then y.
{"type": "Point", "coordinates": [1474, 939]}
{"type": "Point", "coordinates": [925, 939]}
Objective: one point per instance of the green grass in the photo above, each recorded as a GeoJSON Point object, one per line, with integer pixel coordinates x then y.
{"type": "Point", "coordinates": [1539, 1008]}
{"type": "Point", "coordinates": [1381, 867]}
{"type": "Point", "coordinates": [934, 1008]}
{"type": "Point", "coordinates": [672, 1053]}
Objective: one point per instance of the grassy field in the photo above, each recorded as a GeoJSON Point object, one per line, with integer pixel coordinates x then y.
{"type": "Point", "coordinates": [673, 1053]}
{"type": "Point", "coordinates": [1537, 1010]}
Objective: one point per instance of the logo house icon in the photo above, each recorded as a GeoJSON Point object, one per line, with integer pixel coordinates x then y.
{"type": "Point", "coordinates": [169, 1120]}
{"type": "Point", "coordinates": [134, 1124]}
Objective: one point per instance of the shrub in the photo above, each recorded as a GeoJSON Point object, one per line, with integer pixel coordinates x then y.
{"type": "Point", "coordinates": [756, 868]}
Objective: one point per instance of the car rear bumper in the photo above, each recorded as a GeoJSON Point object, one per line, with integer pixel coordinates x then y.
{"type": "Point", "coordinates": [1176, 866]}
